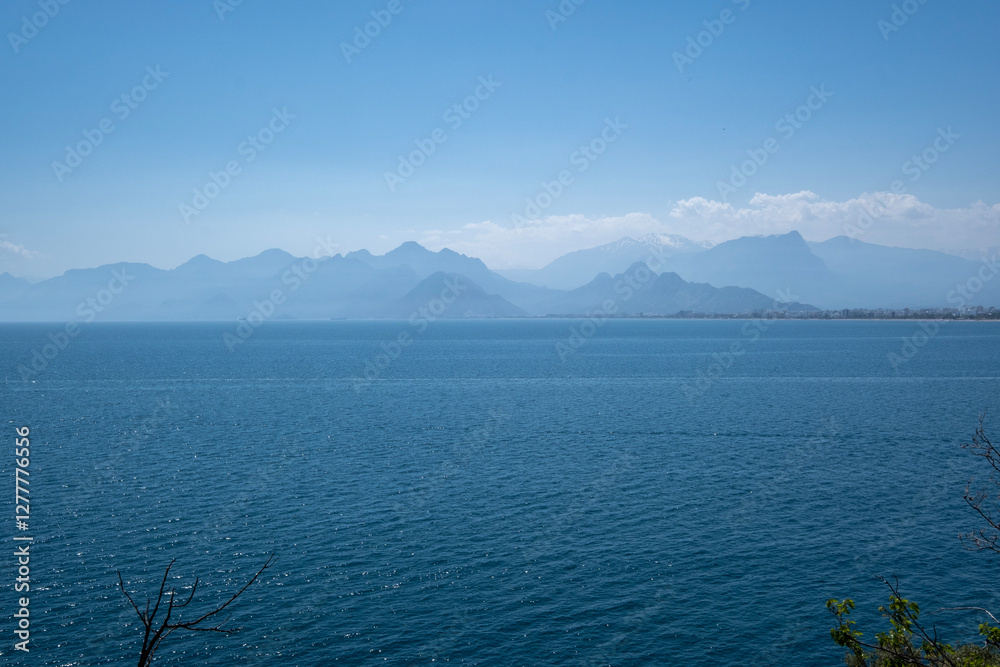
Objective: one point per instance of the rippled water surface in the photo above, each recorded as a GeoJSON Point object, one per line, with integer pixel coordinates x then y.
{"type": "Point", "coordinates": [498, 494]}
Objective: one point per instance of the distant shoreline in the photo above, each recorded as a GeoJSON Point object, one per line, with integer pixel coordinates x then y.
{"type": "Point", "coordinates": [765, 317]}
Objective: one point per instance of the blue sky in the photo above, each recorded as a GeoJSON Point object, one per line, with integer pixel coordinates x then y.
{"type": "Point", "coordinates": [324, 173]}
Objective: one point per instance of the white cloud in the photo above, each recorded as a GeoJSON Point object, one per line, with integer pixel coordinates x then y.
{"type": "Point", "coordinates": [8, 248]}
{"type": "Point", "coordinates": [881, 218]}
{"type": "Point", "coordinates": [536, 244]}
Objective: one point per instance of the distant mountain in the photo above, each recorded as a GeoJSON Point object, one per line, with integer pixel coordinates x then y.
{"type": "Point", "coordinates": [746, 275]}
{"type": "Point", "coordinates": [834, 274]}
{"type": "Point", "coordinates": [204, 269]}
{"type": "Point", "coordinates": [580, 267]}
{"type": "Point", "coordinates": [976, 254]}
{"type": "Point", "coordinates": [769, 264]}
{"type": "Point", "coordinates": [360, 285]}
{"type": "Point", "coordinates": [85, 294]}
{"type": "Point", "coordinates": [11, 287]}
{"type": "Point", "coordinates": [674, 243]}
{"type": "Point", "coordinates": [838, 273]}
{"type": "Point", "coordinates": [447, 296]}
{"type": "Point", "coordinates": [766, 264]}
{"type": "Point", "coordinates": [878, 276]}
{"type": "Point", "coordinates": [345, 287]}
{"type": "Point", "coordinates": [641, 291]}
{"type": "Point", "coordinates": [670, 291]}
{"type": "Point", "coordinates": [424, 263]}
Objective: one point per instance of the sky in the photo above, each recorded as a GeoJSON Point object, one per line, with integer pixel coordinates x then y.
{"type": "Point", "coordinates": [153, 132]}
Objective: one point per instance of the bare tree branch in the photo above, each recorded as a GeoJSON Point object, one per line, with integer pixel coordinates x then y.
{"type": "Point", "coordinates": [152, 638]}
{"type": "Point", "coordinates": [121, 584]}
{"type": "Point", "coordinates": [980, 500]}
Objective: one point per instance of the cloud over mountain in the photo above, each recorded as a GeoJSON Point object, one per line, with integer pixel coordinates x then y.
{"type": "Point", "coordinates": [543, 240]}
{"type": "Point", "coordinates": [881, 217]}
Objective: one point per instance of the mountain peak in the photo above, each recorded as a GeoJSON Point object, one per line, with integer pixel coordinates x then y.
{"type": "Point", "coordinates": [788, 239]}
{"type": "Point", "coordinates": [199, 261]}
{"type": "Point", "coordinates": [456, 296]}
{"type": "Point", "coordinates": [674, 242]}
{"type": "Point", "coordinates": [624, 242]}
{"type": "Point", "coordinates": [274, 253]}
{"type": "Point", "coordinates": [409, 246]}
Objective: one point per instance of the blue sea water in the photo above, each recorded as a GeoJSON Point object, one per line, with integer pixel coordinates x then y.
{"type": "Point", "coordinates": [499, 493]}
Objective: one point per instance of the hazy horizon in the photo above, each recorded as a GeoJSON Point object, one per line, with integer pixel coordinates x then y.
{"type": "Point", "coordinates": [335, 249]}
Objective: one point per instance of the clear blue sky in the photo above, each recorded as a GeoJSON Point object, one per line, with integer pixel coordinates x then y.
{"type": "Point", "coordinates": [325, 173]}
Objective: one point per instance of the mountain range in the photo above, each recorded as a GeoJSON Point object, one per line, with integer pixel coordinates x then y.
{"type": "Point", "coordinates": [576, 268]}
{"type": "Point", "coordinates": [406, 282]}
{"type": "Point", "coordinates": [654, 275]}
{"type": "Point", "coordinates": [838, 273]}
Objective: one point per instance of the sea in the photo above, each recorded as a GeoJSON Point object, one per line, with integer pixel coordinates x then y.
{"type": "Point", "coordinates": [493, 492]}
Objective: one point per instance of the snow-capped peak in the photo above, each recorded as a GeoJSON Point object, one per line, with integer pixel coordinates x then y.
{"type": "Point", "coordinates": [675, 242]}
